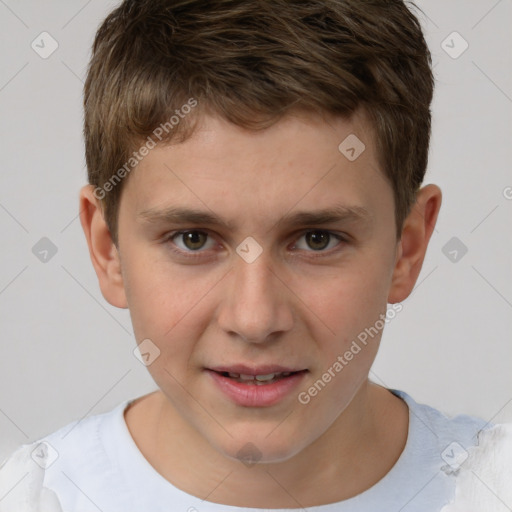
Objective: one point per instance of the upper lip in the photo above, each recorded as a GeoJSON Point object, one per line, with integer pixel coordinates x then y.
{"type": "Point", "coordinates": [266, 369]}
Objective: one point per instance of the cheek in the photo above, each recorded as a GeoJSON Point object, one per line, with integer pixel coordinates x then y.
{"type": "Point", "coordinates": [161, 295]}
{"type": "Point", "coordinates": [172, 307]}
{"type": "Point", "coordinates": [345, 303]}
{"type": "Point", "coordinates": [346, 325]}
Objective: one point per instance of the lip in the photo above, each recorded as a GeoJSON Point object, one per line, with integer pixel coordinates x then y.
{"type": "Point", "coordinates": [254, 395]}
{"type": "Point", "coordinates": [255, 370]}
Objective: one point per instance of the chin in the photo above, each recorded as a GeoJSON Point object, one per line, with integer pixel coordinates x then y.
{"type": "Point", "coordinates": [257, 447]}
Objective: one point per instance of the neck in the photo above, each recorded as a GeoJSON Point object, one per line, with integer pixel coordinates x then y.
{"type": "Point", "coordinates": [358, 449]}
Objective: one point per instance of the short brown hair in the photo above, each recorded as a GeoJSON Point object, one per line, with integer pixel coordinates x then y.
{"type": "Point", "coordinates": [251, 62]}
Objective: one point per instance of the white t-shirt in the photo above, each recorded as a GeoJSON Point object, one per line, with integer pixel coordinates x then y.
{"type": "Point", "coordinates": [95, 465]}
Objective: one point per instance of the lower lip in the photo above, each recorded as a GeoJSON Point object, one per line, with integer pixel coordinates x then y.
{"type": "Point", "coordinates": [254, 395]}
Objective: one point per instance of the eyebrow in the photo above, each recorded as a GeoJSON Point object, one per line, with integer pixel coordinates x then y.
{"type": "Point", "coordinates": [183, 215]}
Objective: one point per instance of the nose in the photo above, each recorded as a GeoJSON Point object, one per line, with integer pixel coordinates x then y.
{"type": "Point", "coordinates": [257, 306]}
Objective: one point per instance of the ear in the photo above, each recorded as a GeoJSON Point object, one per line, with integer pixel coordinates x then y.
{"type": "Point", "coordinates": [416, 232]}
{"type": "Point", "coordinates": [102, 250]}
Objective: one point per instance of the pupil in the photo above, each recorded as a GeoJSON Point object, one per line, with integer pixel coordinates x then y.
{"type": "Point", "coordinates": [318, 240]}
{"type": "Point", "coordinates": [194, 239]}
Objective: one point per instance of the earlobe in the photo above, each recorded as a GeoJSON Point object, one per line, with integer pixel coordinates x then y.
{"type": "Point", "coordinates": [102, 250]}
{"type": "Point", "coordinates": [416, 233]}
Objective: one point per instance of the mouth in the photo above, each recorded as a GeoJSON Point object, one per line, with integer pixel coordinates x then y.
{"type": "Point", "coordinates": [256, 386]}
{"type": "Point", "coordinates": [258, 379]}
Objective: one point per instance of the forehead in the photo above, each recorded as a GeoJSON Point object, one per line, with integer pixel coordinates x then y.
{"type": "Point", "coordinates": [302, 162]}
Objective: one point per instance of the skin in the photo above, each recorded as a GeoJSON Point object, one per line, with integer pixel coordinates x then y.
{"type": "Point", "coordinates": [293, 306]}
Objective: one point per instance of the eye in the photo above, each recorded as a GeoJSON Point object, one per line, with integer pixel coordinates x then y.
{"type": "Point", "coordinates": [318, 240]}
{"type": "Point", "coordinates": [188, 242]}
{"type": "Point", "coordinates": [192, 241]}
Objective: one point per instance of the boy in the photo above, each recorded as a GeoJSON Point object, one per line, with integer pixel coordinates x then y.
{"type": "Point", "coordinates": [254, 200]}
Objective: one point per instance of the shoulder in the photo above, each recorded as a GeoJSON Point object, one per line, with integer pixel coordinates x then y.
{"type": "Point", "coordinates": [53, 467]}
{"type": "Point", "coordinates": [442, 427]}
{"type": "Point", "coordinates": [442, 441]}
{"type": "Point", "coordinates": [437, 446]}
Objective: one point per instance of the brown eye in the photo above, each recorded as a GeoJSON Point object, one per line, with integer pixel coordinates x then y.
{"type": "Point", "coordinates": [194, 239]}
{"type": "Point", "coordinates": [191, 240]}
{"type": "Point", "coordinates": [318, 240]}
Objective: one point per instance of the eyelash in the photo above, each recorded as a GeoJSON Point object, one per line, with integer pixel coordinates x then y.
{"type": "Point", "coordinates": [200, 252]}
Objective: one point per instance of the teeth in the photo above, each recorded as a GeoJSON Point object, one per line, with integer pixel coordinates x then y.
{"type": "Point", "coordinates": [257, 378]}
{"type": "Point", "coordinates": [263, 378]}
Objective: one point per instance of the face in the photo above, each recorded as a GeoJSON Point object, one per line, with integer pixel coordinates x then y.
{"type": "Point", "coordinates": [259, 253]}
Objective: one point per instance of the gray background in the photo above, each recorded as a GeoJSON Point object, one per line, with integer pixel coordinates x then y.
{"type": "Point", "coordinates": [66, 353]}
